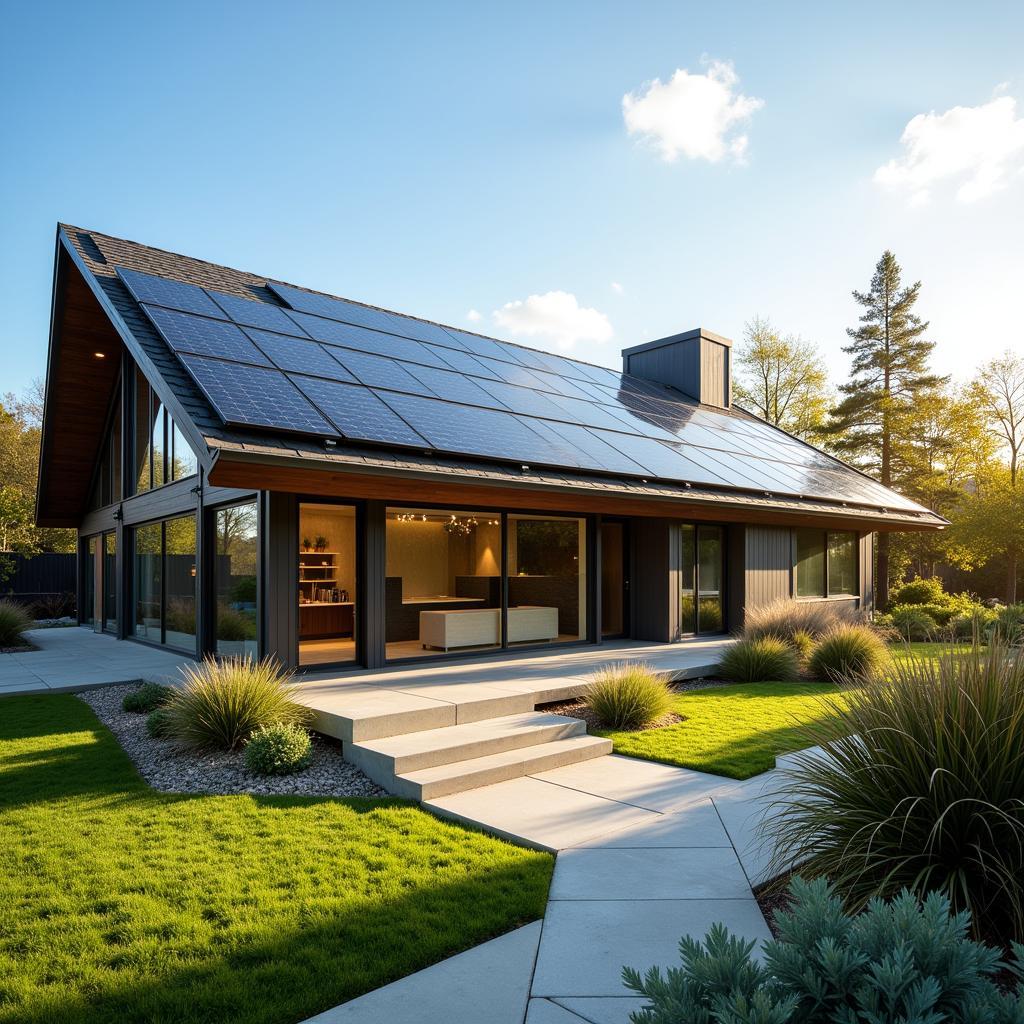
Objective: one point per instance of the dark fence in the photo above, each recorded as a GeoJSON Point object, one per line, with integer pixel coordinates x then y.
{"type": "Point", "coordinates": [40, 578]}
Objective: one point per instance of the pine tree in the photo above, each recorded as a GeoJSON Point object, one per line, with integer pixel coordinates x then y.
{"type": "Point", "coordinates": [889, 375]}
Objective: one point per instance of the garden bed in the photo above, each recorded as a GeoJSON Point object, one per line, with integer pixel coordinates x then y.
{"type": "Point", "coordinates": [171, 769]}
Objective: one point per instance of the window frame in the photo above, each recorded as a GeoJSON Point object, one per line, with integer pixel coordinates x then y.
{"type": "Point", "coordinates": [826, 594]}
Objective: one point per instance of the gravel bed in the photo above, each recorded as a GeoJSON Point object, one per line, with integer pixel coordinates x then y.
{"type": "Point", "coordinates": [170, 769]}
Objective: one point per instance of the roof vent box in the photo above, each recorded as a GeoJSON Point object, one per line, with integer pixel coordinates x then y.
{"type": "Point", "coordinates": [695, 363]}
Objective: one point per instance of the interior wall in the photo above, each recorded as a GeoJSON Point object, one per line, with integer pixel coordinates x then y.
{"type": "Point", "coordinates": [487, 554]}
{"type": "Point", "coordinates": [418, 552]}
{"type": "Point", "coordinates": [339, 527]}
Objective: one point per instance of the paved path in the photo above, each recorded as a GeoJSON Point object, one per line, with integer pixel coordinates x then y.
{"type": "Point", "coordinates": [75, 658]}
{"type": "Point", "coordinates": [646, 854]}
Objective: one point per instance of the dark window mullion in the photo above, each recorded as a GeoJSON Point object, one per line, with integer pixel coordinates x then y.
{"type": "Point", "coordinates": [504, 580]}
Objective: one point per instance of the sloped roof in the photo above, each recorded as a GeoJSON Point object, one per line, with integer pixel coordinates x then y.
{"type": "Point", "coordinates": [259, 366]}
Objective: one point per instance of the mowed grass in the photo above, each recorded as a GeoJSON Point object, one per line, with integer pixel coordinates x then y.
{"type": "Point", "coordinates": [118, 903]}
{"type": "Point", "coordinates": [738, 730]}
{"type": "Point", "coordinates": [734, 730]}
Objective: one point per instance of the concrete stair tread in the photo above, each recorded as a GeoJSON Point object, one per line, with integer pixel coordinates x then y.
{"type": "Point", "coordinates": [458, 776]}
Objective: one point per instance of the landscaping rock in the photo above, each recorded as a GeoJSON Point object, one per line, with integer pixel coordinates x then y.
{"type": "Point", "coordinates": [171, 769]}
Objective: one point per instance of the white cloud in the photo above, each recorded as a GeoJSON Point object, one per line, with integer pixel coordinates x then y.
{"type": "Point", "coordinates": [693, 115]}
{"type": "Point", "coordinates": [978, 148]}
{"type": "Point", "coordinates": [555, 315]}
{"type": "Point", "coordinates": [473, 316]}
{"type": "Point", "coordinates": [617, 288]}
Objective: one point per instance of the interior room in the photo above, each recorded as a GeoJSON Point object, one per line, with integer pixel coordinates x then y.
{"type": "Point", "coordinates": [327, 584]}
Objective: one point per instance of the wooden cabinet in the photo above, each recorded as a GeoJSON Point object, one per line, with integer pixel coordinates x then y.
{"type": "Point", "coordinates": [326, 621]}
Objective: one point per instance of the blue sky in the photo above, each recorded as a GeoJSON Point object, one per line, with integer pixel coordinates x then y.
{"type": "Point", "coordinates": [443, 158]}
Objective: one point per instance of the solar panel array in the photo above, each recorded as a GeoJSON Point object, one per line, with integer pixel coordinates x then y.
{"type": "Point", "coordinates": [335, 369]}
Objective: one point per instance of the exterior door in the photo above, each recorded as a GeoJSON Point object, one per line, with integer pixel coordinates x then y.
{"type": "Point", "coordinates": [701, 599]}
{"type": "Point", "coordinates": [614, 579]}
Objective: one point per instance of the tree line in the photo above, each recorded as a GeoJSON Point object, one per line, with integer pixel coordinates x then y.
{"type": "Point", "coordinates": [955, 448]}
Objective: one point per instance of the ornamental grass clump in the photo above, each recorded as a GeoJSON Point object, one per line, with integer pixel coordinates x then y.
{"type": "Point", "coordinates": [905, 961]}
{"type": "Point", "coordinates": [918, 783]}
{"type": "Point", "coordinates": [278, 749]}
{"type": "Point", "coordinates": [14, 620]}
{"type": "Point", "coordinates": [785, 619]}
{"type": "Point", "coordinates": [760, 660]}
{"type": "Point", "coordinates": [223, 702]}
{"type": "Point", "coordinates": [148, 697]}
{"type": "Point", "coordinates": [628, 696]}
{"type": "Point", "coordinates": [848, 652]}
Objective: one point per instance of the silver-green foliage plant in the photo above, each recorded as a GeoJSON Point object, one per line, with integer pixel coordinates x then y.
{"type": "Point", "coordinates": [918, 783]}
{"type": "Point", "coordinates": [223, 702]}
{"type": "Point", "coordinates": [901, 961]}
{"type": "Point", "coordinates": [148, 697]}
{"type": "Point", "coordinates": [760, 659]}
{"type": "Point", "coordinates": [628, 696]}
{"type": "Point", "coordinates": [278, 749]}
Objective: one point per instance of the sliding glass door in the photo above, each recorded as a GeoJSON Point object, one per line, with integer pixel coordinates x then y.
{"type": "Point", "coordinates": [701, 599]}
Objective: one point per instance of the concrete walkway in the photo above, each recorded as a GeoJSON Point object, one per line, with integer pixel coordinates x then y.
{"type": "Point", "coordinates": [647, 853]}
{"type": "Point", "coordinates": [75, 658]}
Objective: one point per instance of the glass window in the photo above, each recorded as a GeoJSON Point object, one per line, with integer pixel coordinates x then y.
{"type": "Point", "coordinates": [709, 579]}
{"type": "Point", "coordinates": [157, 442]}
{"type": "Point", "coordinates": [234, 576]}
{"type": "Point", "coordinates": [146, 582]}
{"type": "Point", "coordinates": [442, 588]}
{"type": "Point", "coordinates": [328, 606]}
{"type": "Point", "coordinates": [88, 556]}
{"type": "Point", "coordinates": [547, 579]}
{"type": "Point", "coordinates": [115, 453]}
{"type": "Point", "coordinates": [842, 564]}
{"type": "Point", "coordinates": [110, 582]}
{"type": "Point", "coordinates": [810, 563]}
{"type": "Point", "coordinates": [143, 480]}
{"type": "Point", "coordinates": [180, 582]}
{"type": "Point", "coordinates": [182, 459]}
{"type": "Point", "coordinates": [687, 595]}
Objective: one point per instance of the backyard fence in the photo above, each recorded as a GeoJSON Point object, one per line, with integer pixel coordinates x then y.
{"type": "Point", "coordinates": [47, 578]}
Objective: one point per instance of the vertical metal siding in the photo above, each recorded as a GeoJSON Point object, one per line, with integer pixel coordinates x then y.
{"type": "Point", "coordinates": [867, 582]}
{"type": "Point", "coordinates": [281, 577]}
{"type": "Point", "coordinates": [653, 581]}
{"type": "Point", "coordinates": [769, 565]}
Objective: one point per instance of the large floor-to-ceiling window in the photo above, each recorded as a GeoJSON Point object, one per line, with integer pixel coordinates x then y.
{"type": "Point", "coordinates": [235, 544]}
{"type": "Point", "coordinates": [164, 582]}
{"type": "Point", "coordinates": [328, 598]}
{"type": "Point", "coordinates": [110, 582]}
{"type": "Point", "coordinates": [442, 586]}
{"type": "Point", "coordinates": [701, 598]}
{"type": "Point", "coordinates": [87, 561]}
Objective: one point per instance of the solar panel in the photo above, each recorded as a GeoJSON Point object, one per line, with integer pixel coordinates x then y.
{"type": "Point", "coordinates": [299, 355]}
{"type": "Point", "coordinates": [162, 291]}
{"type": "Point", "coordinates": [251, 313]}
{"type": "Point", "coordinates": [465, 363]}
{"type": "Point", "coordinates": [357, 412]}
{"type": "Point", "coordinates": [255, 397]}
{"type": "Point", "coordinates": [334, 309]}
{"type": "Point", "coordinates": [660, 459]}
{"type": "Point", "coordinates": [470, 431]}
{"type": "Point", "coordinates": [452, 386]}
{"type": "Point", "coordinates": [523, 400]}
{"type": "Point", "coordinates": [376, 371]}
{"type": "Point", "coordinates": [596, 453]}
{"type": "Point", "coordinates": [511, 373]}
{"type": "Point", "coordinates": [559, 385]}
{"type": "Point", "coordinates": [477, 344]}
{"type": "Point", "coordinates": [202, 336]}
{"type": "Point", "coordinates": [362, 339]}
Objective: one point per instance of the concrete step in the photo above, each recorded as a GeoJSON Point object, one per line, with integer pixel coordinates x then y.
{"type": "Point", "coordinates": [459, 776]}
{"type": "Point", "coordinates": [383, 759]}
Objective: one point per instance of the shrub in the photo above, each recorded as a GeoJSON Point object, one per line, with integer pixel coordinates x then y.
{"type": "Point", "coordinates": [913, 622]}
{"type": "Point", "coordinates": [802, 643]}
{"type": "Point", "coordinates": [919, 591]}
{"type": "Point", "coordinates": [897, 961]}
{"type": "Point", "coordinates": [849, 652]}
{"type": "Point", "coordinates": [158, 723]}
{"type": "Point", "coordinates": [54, 606]}
{"type": "Point", "coordinates": [920, 784]}
{"type": "Point", "coordinates": [628, 696]}
{"type": "Point", "coordinates": [222, 702]}
{"type": "Point", "coordinates": [278, 749]}
{"type": "Point", "coordinates": [233, 625]}
{"type": "Point", "coordinates": [759, 660]}
{"type": "Point", "coordinates": [148, 697]}
{"type": "Point", "coordinates": [1009, 623]}
{"type": "Point", "coordinates": [783, 619]}
{"type": "Point", "coordinates": [14, 620]}
{"type": "Point", "coordinates": [974, 625]}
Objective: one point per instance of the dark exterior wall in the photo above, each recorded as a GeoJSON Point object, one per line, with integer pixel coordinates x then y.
{"type": "Point", "coordinates": [280, 576]}
{"type": "Point", "coordinates": [654, 584]}
{"type": "Point", "coordinates": [693, 363]}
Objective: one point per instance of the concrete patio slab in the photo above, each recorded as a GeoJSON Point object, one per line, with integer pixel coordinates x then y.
{"type": "Point", "coordinates": [656, 787]}
{"type": "Point", "coordinates": [359, 711]}
{"type": "Point", "coordinates": [489, 982]}
{"type": "Point", "coordinates": [586, 943]}
{"type": "Point", "coordinates": [597, 1010]}
{"type": "Point", "coordinates": [539, 814]}
{"type": "Point", "coordinates": [648, 874]}
{"type": "Point", "coordinates": [698, 825]}
{"type": "Point", "coordinates": [544, 1011]}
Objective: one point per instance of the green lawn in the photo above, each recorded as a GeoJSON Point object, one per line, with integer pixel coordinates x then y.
{"type": "Point", "coordinates": [118, 903]}
{"type": "Point", "coordinates": [738, 730]}
{"type": "Point", "coordinates": [733, 730]}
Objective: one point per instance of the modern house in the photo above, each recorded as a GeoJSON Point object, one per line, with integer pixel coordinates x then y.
{"type": "Point", "coordinates": [257, 467]}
